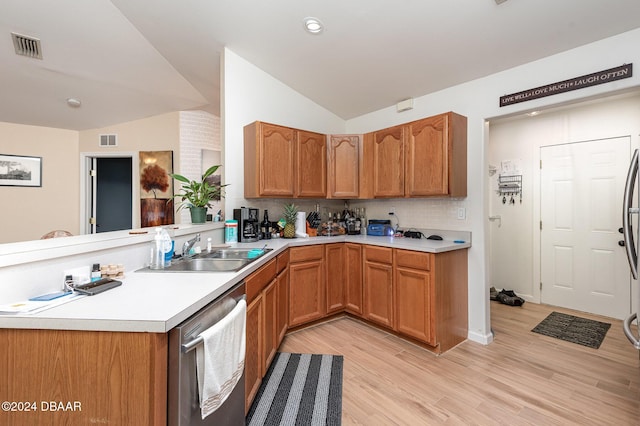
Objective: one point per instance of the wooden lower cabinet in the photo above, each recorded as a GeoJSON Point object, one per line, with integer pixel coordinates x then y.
{"type": "Point", "coordinates": [431, 297]}
{"type": "Point", "coordinates": [261, 334]}
{"type": "Point", "coordinates": [378, 285]}
{"type": "Point", "coordinates": [307, 286]}
{"type": "Point", "coordinates": [335, 273]}
{"type": "Point", "coordinates": [282, 304]}
{"type": "Point", "coordinates": [99, 377]}
{"type": "Point", "coordinates": [269, 325]}
{"type": "Point", "coordinates": [253, 356]}
{"type": "Point", "coordinates": [413, 295]}
{"type": "Point", "coordinates": [353, 278]}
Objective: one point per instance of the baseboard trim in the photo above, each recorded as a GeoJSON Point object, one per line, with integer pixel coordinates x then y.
{"type": "Point", "coordinates": [483, 339]}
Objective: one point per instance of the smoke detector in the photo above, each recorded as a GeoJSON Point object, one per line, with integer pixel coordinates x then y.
{"type": "Point", "coordinates": [27, 46]}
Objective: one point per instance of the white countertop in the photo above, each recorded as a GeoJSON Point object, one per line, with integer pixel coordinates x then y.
{"type": "Point", "coordinates": [157, 302]}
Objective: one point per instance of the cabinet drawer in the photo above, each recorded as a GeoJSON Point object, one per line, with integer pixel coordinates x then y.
{"type": "Point", "coordinates": [378, 254]}
{"type": "Point", "coordinates": [260, 279]}
{"type": "Point", "coordinates": [282, 261]}
{"type": "Point", "coordinates": [413, 259]}
{"type": "Point", "coordinates": [303, 254]}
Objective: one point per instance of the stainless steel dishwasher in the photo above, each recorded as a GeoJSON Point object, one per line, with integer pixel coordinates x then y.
{"type": "Point", "coordinates": [183, 404]}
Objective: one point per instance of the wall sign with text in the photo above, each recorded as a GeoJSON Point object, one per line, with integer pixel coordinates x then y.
{"type": "Point", "coordinates": [601, 77]}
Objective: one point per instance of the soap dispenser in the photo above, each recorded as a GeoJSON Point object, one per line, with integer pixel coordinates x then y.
{"type": "Point", "coordinates": [157, 251]}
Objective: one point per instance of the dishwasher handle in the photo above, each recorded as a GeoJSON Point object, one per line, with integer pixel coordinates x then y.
{"type": "Point", "coordinates": [188, 347]}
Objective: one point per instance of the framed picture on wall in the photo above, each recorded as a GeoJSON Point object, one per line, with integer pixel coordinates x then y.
{"type": "Point", "coordinates": [20, 170]}
{"type": "Point", "coordinates": [156, 188]}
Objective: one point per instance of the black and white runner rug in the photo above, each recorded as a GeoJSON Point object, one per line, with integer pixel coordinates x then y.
{"type": "Point", "coordinates": [299, 389]}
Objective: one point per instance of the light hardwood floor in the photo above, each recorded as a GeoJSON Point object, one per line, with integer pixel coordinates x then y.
{"type": "Point", "coordinates": [522, 378]}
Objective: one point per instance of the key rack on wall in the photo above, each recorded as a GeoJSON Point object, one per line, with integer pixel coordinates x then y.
{"type": "Point", "coordinates": [510, 187]}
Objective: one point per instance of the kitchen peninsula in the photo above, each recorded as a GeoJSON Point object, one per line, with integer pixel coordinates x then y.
{"type": "Point", "coordinates": [100, 350]}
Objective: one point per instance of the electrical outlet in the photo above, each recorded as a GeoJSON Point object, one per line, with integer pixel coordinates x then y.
{"type": "Point", "coordinates": [462, 213]}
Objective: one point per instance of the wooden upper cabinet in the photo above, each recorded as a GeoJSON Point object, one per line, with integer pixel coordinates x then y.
{"type": "Point", "coordinates": [269, 153]}
{"type": "Point", "coordinates": [427, 157]}
{"type": "Point", "coordinates": [436, 162]}
{"type": "Point", "coordinates": [343, 166]}
{"type": "Point", "coordinates": [311, 161]}
{"type": "Point", "coordinates": [388, 162]}
{"type": "Point", "coordinates": [422, 158]}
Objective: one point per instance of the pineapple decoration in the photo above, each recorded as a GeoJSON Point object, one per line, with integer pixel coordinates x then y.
{"type": "Point", "coordinates": [290, 213]}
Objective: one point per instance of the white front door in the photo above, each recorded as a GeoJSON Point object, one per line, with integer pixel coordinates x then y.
{"type": "Point", "coordinates": [582, 265]}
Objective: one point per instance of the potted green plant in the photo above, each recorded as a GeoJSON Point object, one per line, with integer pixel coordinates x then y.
{"type": "Point", "coordinates": [197, 195]}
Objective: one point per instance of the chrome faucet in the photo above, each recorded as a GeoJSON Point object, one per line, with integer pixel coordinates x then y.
{"type": "Point", "coordinates": [188, 245]}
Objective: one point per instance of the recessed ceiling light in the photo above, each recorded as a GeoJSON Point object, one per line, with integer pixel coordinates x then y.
{"type": "Point", "coordinates": [533, 113]}
{"type": "Point", "coordinates": [313, 25]}
{"type": "Point", "coordinates": [74, 103]}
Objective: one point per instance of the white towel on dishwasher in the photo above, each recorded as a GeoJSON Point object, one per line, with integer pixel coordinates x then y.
{"type": "Point", "coordinates": [220, 359]}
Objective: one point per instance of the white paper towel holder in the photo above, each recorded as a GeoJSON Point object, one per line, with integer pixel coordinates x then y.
{"type": "Point", "coordinates": [301, 225]}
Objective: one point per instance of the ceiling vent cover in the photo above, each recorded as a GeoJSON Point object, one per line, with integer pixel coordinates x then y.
{"type": "Point", "coordinates": [108, 140]}
{"type": "Point", "coordinates": [27, 46]}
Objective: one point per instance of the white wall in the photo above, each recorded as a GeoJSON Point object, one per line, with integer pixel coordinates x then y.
{"type": "Point", "coordinates": [27, 213]}
{"type": "Point", "coordinates": [250, 94]}
{"type": "Point", "coordinates": [479, 101]}
{"type": "Point", "coordinates": [156, 133]}
{"type": "Point", "coordinates": [515, 245]}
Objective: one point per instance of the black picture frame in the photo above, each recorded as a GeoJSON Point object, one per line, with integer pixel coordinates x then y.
{"type": "Point", "coordinates": [20, 170]}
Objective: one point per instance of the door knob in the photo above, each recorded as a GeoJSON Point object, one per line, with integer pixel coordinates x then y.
{"type": "Point", "coordinates": [621, 243]}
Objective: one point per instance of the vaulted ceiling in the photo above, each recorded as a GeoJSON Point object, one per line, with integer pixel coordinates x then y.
{"type": "Point", "coordinates": [129, 59]}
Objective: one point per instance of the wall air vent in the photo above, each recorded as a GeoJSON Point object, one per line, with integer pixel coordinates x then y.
{"type": "Point", "coordinates": [27, 46]}
{"type": "Point", "coordinates": [108, 140]}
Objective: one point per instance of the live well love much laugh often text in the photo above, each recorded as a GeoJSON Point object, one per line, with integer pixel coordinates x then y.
{"type": "Point", "coordinates": [606, 76]}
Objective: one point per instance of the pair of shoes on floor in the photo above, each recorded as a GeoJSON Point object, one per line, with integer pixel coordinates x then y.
{"type": "Point", "coordinates": [493, 293]}
{"type": "Point", "coordinates": [508, 297]}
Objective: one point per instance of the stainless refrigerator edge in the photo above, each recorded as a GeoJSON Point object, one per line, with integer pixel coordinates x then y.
{"type": "Point", "coordinates": [628, 210]}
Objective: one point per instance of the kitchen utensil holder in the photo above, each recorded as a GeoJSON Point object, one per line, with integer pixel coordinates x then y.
{"type": "Point", "coordinates": [510, 185]}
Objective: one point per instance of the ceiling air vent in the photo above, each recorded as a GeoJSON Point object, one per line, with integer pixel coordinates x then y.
{"type": "Point", "coordinates": [108, 140]}
{"type": "Point", "coordinates": [27, 46]}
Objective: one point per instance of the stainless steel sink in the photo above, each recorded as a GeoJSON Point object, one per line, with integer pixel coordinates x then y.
{"type": "Point", "coordinates": [234, 253]}
{"type": "Point", "coordinates": [221, 260]}
{"type": "Point", "coordinates": [207, 265]}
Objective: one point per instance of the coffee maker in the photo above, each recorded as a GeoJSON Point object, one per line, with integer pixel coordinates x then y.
{"type": "Point", "coordinates": [248, 224]}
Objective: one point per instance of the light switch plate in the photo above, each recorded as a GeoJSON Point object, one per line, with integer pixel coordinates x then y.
{"type": "Point", "coordinates": [462, 213]}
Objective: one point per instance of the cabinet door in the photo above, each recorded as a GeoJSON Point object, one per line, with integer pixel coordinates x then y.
{"type": "Point", "coordinates": [268, 160]}
{"type": "Point", "coordinates": [413, 304]}
{"type": "Point", "coordinates": [282, 305]}
{"type": "Point", "coordinates": [306, 292]}
{"type": "Point", "coordinates": [353, 278]}
{"type": "Point", "coordinates": [343, 165]}
{"type": "Point", "coordinates": [428, 157]}
{"type": "Point", "coordinates": [311, 165]}
{"type": "Point", "coordinates": [378, 293]}
{"type": "Point", "coordinates": [335, 273]}
{"type": "Point", "coordinates": [388, 162]}
{"type": "Point", "coordinates": [269, 324]}
{"type": "Point", "coordinates": [253, 352]}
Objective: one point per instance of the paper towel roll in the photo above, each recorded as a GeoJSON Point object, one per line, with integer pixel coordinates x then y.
{"type": "Point", "coordinates": [301, 225]}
